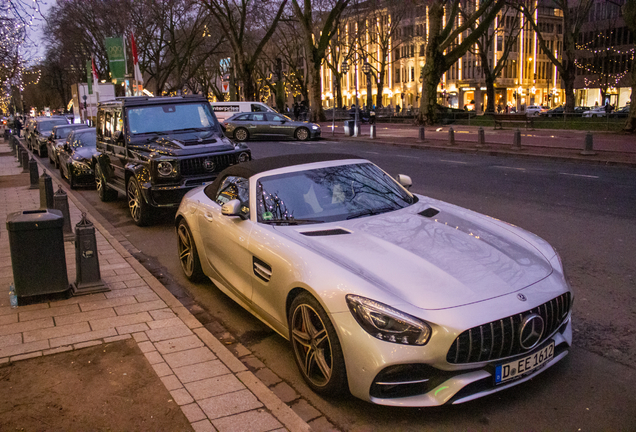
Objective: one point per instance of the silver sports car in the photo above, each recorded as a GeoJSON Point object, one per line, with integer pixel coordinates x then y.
{"type": "Point", "coordinates": [399, 298]}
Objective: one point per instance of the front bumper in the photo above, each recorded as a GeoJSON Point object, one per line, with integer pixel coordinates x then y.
{"type": "Point", "coordinates": [313, 134]}
{"type": "Point", "coordinates": [169, 196]}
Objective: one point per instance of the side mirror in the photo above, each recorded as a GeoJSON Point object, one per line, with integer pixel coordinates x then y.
{"type": "Point", "coordinates": [404, 180]}
{"type": "Point", "coordinates": [67, 148]}
{"type": "Point", "coordinates": [231, 208]}
{"type": "Point", "coordinates": [118, 136]}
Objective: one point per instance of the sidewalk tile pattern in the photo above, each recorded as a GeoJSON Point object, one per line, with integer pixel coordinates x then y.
{"type": "Point", "coordinates": [198, 371]}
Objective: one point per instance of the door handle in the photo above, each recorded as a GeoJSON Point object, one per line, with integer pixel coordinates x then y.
{"type": "Point", "coordinates": [208, 217]}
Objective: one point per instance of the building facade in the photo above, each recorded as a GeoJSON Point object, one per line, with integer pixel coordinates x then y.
{"type": "Point", "coordinates": [527, 78]}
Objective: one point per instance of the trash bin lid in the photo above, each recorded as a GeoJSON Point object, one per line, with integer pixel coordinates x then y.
{"type": "Point", "coordinates": [29, 220]}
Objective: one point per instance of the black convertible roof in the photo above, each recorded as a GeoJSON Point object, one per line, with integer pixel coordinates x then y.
{"type": "Point", "coordinates": [248, 169]}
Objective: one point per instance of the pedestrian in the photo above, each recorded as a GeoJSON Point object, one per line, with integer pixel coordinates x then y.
{"type": "Point", "coordinates": [296, 111]}
{"type": "Point", "coordinates": [608, 109]}
{"type": "Point", "coordinates": [17, 124]}
{"type": "Point", "coordinates": [397, 109]}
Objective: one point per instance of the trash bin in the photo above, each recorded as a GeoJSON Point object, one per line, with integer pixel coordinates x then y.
{"type": "Point", "coordinates": [348, 127]}
{"type": "Point", "coordinates": [36, 242]}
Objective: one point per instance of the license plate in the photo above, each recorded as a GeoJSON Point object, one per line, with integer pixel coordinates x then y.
{"type": "Point", "coordinates": [523, 366]}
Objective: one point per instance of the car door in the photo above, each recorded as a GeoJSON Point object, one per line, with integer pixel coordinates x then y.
{"type": "Point", "coordinates": [258, 125]}
{"type": "Point", "coordinates": [226, 238]}
{"type": "Point", "coordinates": [279, 125]}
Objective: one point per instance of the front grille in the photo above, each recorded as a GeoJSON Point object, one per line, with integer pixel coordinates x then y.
{"type": "Point", "coordinates": [196, 166]}
{"type": "Point", "coordinates": [500, 339]}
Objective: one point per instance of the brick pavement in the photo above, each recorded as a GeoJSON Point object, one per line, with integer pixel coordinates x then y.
{"type": "Point", "coordinates": [214, 389]}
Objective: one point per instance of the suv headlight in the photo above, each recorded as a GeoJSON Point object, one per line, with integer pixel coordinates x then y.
{"type": "Point", "coordinates": [165, 168]}
{"type": "Point", "coordinates": [388, 324]}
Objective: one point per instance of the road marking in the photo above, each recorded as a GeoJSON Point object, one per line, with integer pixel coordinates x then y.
{"type": "Point", "coordinates": [510, 168]}
{"type": "Point", "coordinates": [452, 161]}
{"type": "Point", "coordinates": [370, 152]}
{"type": "Point", "coordinates": [405, 156]}
{"type": "Point", "coordinates": [580, 175]}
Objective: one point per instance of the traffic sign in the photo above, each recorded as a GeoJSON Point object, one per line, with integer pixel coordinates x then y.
{"type": "Point", "coordinates": [225, 87]}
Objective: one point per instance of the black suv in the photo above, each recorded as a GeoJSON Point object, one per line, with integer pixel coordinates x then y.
{"type": "Point", "coordinates": [155, 149]}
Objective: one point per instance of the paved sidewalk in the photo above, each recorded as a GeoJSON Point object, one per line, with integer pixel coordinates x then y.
{"type": "Point", "coordinates": [609, 148]}
{"type": "Point", "coordinates": [214, 389]}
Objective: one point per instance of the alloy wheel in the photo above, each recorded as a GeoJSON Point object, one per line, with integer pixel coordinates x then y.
{"type": "Point", "coordinates": [134, 200]}
{"type": "Point", "coordinates": [185, 250]}
{"type": "Point", "coordinates": [312, 345]}
{"type": "Point", "coordinates": [302, 134]}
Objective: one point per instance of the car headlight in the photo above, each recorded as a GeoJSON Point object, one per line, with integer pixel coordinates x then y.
{"type": "Point", "coordinates": [386, 323]}
{"type": "Point", "coordinates": [165, 168]}
{"type": "Point", "coordinates": [244, 157]}
{"type": "Point", "coordinates": [315, 127]}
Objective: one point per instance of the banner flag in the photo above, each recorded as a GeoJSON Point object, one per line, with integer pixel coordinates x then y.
{"type": "Point", "coordinates": [116, 57]}
{"type": "Point", "coordinates": [95, 78]}
{"type": "Point", "coordinates": [89, 75]}
{"type": "Point", "coordinates": [137, 72]}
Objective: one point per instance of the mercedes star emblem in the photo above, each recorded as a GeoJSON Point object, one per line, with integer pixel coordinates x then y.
{"type": "Point", "coordinates": [208, 165]}
{"type": "Point", "coordinates": [531, 331]}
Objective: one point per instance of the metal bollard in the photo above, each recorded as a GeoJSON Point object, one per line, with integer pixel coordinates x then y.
{"type": "Point", "coordinates": [19, 155]}
{"type": "Point", "coordinates": [481, 137]}
{"type": "Point", "coordinates": [516, 142]}
{"type": "Point", "coordinates": [356, 129]}
{"type": "Point", "coordinates": [589, 145]}
{"type": "Point", "coordinates": [25, 161]}
{"type": "Point", "coordinates": [422, 133]}
{"type": "Point", "coordinates": [60, 202]}
{"type": "Point", "coordinates": [88, 277]}
{"type": "Point", "coordinates": [33, 174]}
{"type": "Point", "coordinates": [372, 133]}
{"type": "Point", "coordinates": [46, 191]}
{"type": "Point", "coordinates": [451, 136]}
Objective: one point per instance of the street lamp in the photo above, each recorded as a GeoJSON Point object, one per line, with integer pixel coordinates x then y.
{"type": "Point", "coordinates": [366, 69]}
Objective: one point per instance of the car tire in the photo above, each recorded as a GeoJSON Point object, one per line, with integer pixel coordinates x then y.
{"type": "Point", "coordinates": [302, 134]}
{"type": "Point", "coordinates": [103, 191]}
{"type": "Point", "coordinates": [139, 209]}
{"type": "Point", "coordinates": [241, 134]}
{"type": "Point", "coordinates": [188, 255]}
{"type": "Point", "coordinates": [316, 347]}
{"type": "Point", "coordinates": [71, 179]}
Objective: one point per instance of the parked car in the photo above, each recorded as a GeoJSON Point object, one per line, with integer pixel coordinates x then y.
{"type": "Point", "coordinates": [224, 110]}
{"type": "Point", "coordinates": [245, 126]}
{"type": "Point", "coordinates": [554, 112]}
{"type": "Point", "coordinates": [155, 149]}
{"type": "Point", "coordinates": [57, 138]}
{"type": "Point", "coordinates": [40, 131]}
{"type": "Point", "coordinates": [622, 112]}
{"type": "Point", "coordinates": [76, 157]}
{"type": "Point", "coordinates": [534, 110]}
{"type": "Point", "coordinates": [598, 111]}
{"type": "Point", "coordinates": [399, 298]}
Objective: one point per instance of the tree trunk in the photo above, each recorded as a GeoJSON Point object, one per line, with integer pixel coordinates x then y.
{"type": "Point", "coordinates": [369, 91]}
{"type": "Point", "coordinates": [568, 84]}
{"type": "Point", "coordinates": [315, 100]}
{"type": "Point", "coordinates": [428, 101]}
{"type": "Point", "coordinates": [338, 88]}
{"type": "Point", "coordinates": [280, 96]}
{"type": "Point", "coordinates": [630, 124]}
{"type": "Point", "coordinates": [378, 98]}
{"type": "Point", "coordinates": [490, 93]}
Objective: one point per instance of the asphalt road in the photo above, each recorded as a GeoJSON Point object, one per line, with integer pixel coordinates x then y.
{"type": "Point", "coordinates": [587, 212]}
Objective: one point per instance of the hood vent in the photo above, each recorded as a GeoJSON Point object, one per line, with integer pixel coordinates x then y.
{"type": "Point", "coordinates": [323, 233]}
{"type": "Point", "coordinates": [197, 142]}
{"type": "Point", "coordinates": [429, 212]}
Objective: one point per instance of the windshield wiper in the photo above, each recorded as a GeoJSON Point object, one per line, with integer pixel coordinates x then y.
{"type": "Point", "coordinates": [291, 221]}
{"type": "Point", "coordinates": [371, 212]}
{"type": "Point", "coordinates": [192, 129]}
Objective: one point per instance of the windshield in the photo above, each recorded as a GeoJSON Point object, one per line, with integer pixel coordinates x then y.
{"type": "Point", "coordinates": [47, 126]}
{"type": "Point", "coordinates": [329, 194]}
{"type": "Point", "coordinates": [171, 118]}
{"type": "Point", "coordinates": [85, 139]}
{"type": "Point", "coordinates": [62, 132]}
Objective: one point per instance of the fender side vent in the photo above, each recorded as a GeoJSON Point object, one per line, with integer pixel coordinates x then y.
{"type": "Point", "coordinates": [261, 269]}
{"type": "Point", "coordinates": [322, 233]}
{"type": "Point", "coordinates": [429, 212]}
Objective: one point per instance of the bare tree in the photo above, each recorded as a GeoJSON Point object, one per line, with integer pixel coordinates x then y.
{"type": "Point", "coordinates": [574, 16]}
{"type": "Point", "coordinates": [248, 26]}
{"type": "Point", "coordinates": [506, 32]}
{"type": "Point", "coordinates": [443, 47]}
{"type": "Point", "coordinates": [319, 23]}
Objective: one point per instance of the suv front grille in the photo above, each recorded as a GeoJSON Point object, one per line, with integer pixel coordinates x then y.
{"type": "Point", "coordinates": [197, 166]}
{"type": "Point", "coordinates": [500, 339]}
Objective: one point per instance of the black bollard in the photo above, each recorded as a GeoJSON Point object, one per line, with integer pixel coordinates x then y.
{"type": "Point", "coordinates": [588, 150]}
{"type": "Point", "coordinates": [33, 173]}
{"type": "Point", "coordinates": [422, 133]}
{"type": "Point", "coordinates": [46, 191]}
{"type": "Point", "coordinates": [451, 136]}
{"type": "Point", "coordinates": [88, 277]}
{"type": "Point", "coordinates": [19, 155]}
{"type": "Point", "coordinates": [25, 161]}
{"type": "Point", "coordinates": [60, 202]}
{"type": "Point", "coordinates": [516, 142]}
{"type": "Point", "coordinates": [481, 137]}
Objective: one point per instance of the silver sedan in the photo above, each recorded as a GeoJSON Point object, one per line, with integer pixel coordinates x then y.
{"type": "Point", "coordinates": [397, 298]}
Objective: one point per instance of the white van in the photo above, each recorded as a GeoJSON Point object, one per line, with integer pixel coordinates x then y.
{"type": "Point", "coordinates": [224, 110]}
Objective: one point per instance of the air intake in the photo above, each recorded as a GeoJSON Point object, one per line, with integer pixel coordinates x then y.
{"type": "Point", "coordinates": [323, 233]}
{"type": "Point", "coordinates": [429, 212]}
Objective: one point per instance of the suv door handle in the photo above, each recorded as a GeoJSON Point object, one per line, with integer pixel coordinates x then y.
{"type": "Point", "coordinates": [208, 217]}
